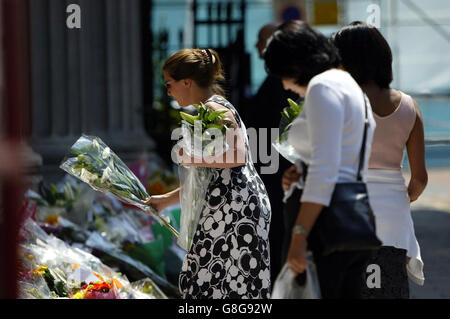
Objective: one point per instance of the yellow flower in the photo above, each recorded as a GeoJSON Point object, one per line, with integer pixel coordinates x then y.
{"type": "Point", "coordinates": [40, 270]}
{"type": "Point", "coordinates": [52, 220]}
{"type": "Point", "coordinates": [78, 295]}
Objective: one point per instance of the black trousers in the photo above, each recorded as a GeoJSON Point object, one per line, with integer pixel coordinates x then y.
{"type": "Point", "coordinates": [341, 274]}
{"type": "Point", "coordinates": [393, 275]}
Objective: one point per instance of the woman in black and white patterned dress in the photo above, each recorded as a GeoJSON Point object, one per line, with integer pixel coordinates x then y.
{"type": "Point", "coordinates": [229, 257]}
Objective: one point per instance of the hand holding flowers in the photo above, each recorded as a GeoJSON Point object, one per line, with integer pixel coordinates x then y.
{"type": "Point", "coordinates": [96, 164]}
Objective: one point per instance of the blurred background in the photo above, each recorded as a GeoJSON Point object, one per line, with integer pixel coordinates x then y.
{"type": "Point", "coordinates": [95, 68]}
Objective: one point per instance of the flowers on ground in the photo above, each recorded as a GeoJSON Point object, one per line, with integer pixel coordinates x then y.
{"type": "Point", "coordinates": [97, 290]}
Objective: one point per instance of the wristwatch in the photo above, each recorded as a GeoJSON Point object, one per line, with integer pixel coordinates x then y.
{"type": "Point", "coordinates": [299, 229]}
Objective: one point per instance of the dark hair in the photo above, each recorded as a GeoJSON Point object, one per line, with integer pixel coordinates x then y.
{"type": "Point", "coordinates": [201, 65]}
{"type": "Point", "coordinates": [365, 53]}
{"type": "Point", "coordinates": [297, 51]}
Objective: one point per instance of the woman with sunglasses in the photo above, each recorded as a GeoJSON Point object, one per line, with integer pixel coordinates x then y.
{"type": "Point", "coordinates": [229, 257]}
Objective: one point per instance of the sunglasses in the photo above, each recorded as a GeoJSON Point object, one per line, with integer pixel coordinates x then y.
{"type": "Point", "coordinates": [167, 84]}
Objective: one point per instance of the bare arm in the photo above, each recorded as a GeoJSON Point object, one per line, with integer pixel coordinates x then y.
{"type": "Point", "coordinates": [160, 202]}
{"type": "Point", "coordinates": [307, 216]}
{"type": "Point", "coordinates": [416, 156]}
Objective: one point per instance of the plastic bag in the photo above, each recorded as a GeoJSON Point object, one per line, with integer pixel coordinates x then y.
{"type": "Point", "coordinates": [194, 183]}
{"type": "Point", "coordinates": [142, 289]}
{"type": "Point", "coordinates": [286, 285]}
{"type": "Point", "coordinates": [287, 151]}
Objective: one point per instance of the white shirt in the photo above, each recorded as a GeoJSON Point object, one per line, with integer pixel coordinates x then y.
{"type": "Point", "coordinates": [328, 134]}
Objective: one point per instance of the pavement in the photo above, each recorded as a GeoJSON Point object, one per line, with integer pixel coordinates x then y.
{"type": "Point", "coordinates": [431, 216]}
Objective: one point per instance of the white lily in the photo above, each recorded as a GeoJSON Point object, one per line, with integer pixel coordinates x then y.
{"type": "Point", "coordinates": [96, 144]}
{"type": "Point", "coordinates": [106, 153]}
{"type": "Point", "coordinates": [87, 176]}
{"type": "Point", "coordinates": [106, 175]}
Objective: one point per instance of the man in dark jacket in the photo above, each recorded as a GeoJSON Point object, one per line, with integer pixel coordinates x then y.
{"type": "Point", "coordinates": [263, 111]}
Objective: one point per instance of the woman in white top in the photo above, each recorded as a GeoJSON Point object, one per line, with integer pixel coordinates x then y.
{"type": "Point", "coordinates": [328, 136]}
{"type": "Point", "coordinates": [367, 56]}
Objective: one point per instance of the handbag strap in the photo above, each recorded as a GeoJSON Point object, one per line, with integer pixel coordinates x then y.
{"type": "Point", "coordinates": [363, 147]}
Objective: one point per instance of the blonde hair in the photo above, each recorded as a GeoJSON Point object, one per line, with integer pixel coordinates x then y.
{"type": "Point", "coordinates": [201, 65]}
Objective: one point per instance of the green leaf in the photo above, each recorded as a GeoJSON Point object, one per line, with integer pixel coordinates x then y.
{"type": "Point", "coordinates": [216, 114]}
{"type": "Point", "coordinates": [292, 103]}
{"type": "Point", "coordinates": [285, 114]}
{"type": "Point", "coordinates": [188, 117]}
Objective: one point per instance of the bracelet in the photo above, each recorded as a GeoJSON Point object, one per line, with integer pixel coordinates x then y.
{"type": "Point", "coordinates": [299, 229]}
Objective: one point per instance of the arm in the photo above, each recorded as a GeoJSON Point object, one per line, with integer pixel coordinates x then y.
{"type": "Point", "coordinates": [235, 156]}
{"type": "Point", "coordinates": [325, 123]}
{"type": "Point", "coordinates": [290, 176]}
{"type": "Point", "coordinates": [325, 117]}
{"type": "Point", "coordinates": [415, 147]}
{"type": "Point", "coordinates": [307, 216]}
{"type": "Point", "coordinates": [160, 202]}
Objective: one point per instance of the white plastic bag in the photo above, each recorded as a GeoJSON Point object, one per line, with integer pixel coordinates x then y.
{"type": "Point", "coordinates": [193, 186]}
{"type": "Point", "coordinates": [286, 286]}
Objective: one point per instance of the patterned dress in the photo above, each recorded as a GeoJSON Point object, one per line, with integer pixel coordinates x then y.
{"type": "Point", "coordinates": [230, 257]}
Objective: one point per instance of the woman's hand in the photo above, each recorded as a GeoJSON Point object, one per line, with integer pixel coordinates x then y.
{"type": "Point", "coordinates": [290, 176]}
{"type": "Point", "coordinates": [296, 259]}
{"type": "Point", "coordinates": [416, 187]}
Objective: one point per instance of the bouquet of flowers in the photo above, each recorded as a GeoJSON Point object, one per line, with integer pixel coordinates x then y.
{"type": "Point", "coordinates": [58, 287]}
{"type": "Point", "coordinates": [98, 290]}
{"type": "Point", "coordinates": [93, 162]}
{"type": "Point", "coordinates": [202, 127]}
{"type": "Point", "coordinates": [288, 115]}
{"type": "Point", "coordinates": [194, 180]}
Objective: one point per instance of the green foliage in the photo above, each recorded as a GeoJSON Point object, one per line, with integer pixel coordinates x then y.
{"type": "Point", "coordinates": [209, 118]}
{"type": "Point", "coordinates": [288, 115]}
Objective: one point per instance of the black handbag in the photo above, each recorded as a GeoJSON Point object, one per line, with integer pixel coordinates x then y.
{"type": "Point", "coordinates": [348, 223]}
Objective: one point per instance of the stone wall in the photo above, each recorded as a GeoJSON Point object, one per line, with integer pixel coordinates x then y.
{"type": "Point", "coordinates": [86, 80]}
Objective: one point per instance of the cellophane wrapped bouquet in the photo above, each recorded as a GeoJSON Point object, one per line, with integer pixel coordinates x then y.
{"type": "Point", "coordinates": [53, 269]}
{"type": "Point", "coordinates": [197, 143]}
{"type": "Point", "coordinates": [93, 162]}
{"type": "Point", "coordinates": [288, 115]}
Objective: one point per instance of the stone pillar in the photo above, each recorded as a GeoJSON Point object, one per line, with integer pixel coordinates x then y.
{"type": "Point", "coordinates": [86, 80]}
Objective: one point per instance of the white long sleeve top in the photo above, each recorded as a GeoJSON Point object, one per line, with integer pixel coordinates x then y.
{"type": "Point", "coordinates": [328, 134]}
